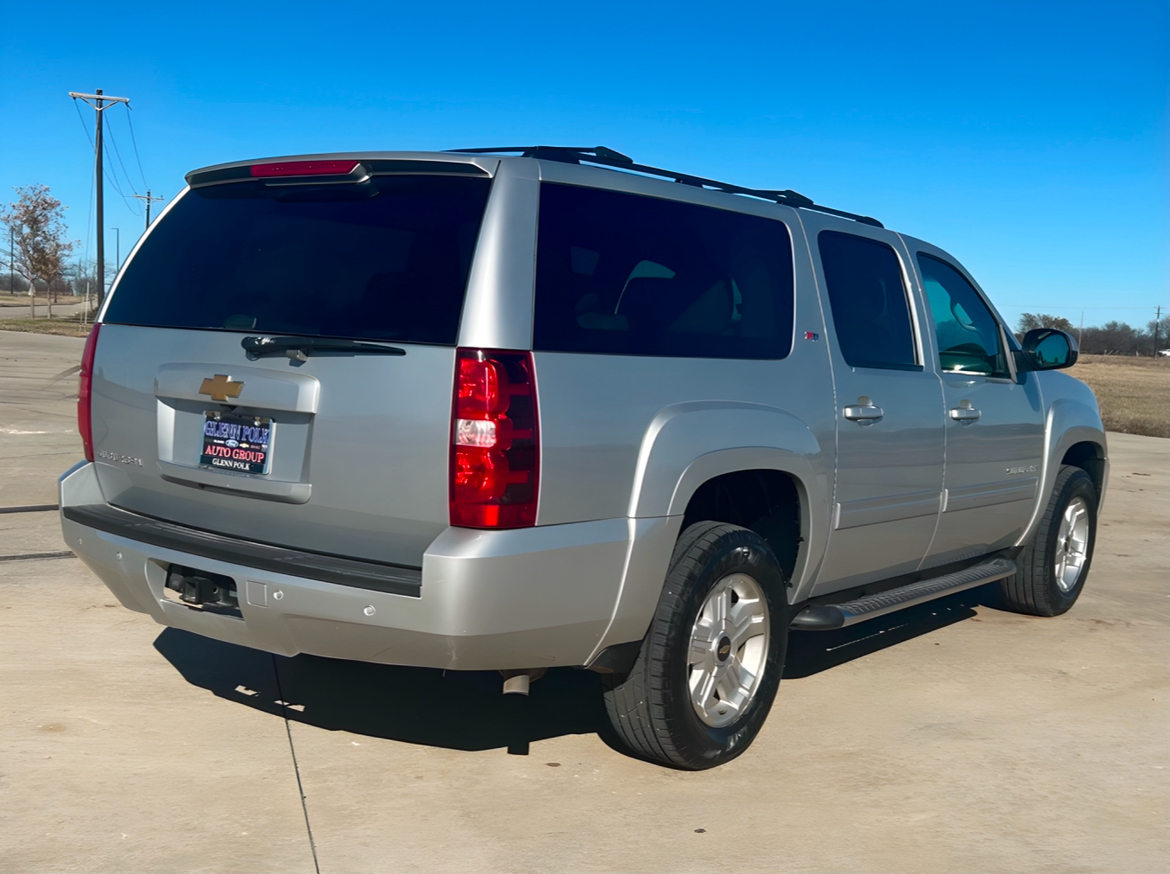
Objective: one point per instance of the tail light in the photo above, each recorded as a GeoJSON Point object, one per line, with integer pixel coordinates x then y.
{"type": "Point", "coordinates": [84, 419]}
{"type": "Point", "coordinates": [495, 451]}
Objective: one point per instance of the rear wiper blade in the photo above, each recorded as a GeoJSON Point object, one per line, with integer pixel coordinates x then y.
{"type": "Point", "coordinates": [300, 348]}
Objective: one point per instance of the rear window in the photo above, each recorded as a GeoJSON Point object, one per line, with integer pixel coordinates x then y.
{"type": "Point", "coordinates": [870, 312]}
{"type": "Point", "coordinates": [626, 274]}
{"type": "Point", "coordinates": [384, 260]}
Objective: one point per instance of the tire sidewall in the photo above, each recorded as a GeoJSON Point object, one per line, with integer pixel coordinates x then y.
{"type": "Point", "coordinates": [1078, 484]}
{"type": "Point", "coordinates": [737, 551]}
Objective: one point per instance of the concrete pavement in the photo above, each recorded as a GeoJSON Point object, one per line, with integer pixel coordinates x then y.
{"type": "Point", "coordinates": [954, 737]}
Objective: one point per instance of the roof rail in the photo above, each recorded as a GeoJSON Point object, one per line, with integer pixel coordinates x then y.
{"type": "Point", "coordinates": [605, 157]}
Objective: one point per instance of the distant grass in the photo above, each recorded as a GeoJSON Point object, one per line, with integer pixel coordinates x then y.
{"type": "Point", "coordinates": [20, 299]}
{"type": "Point", "coordinates": [69, 326]}
{"type": "Point", "coordinates": [1132, 392]}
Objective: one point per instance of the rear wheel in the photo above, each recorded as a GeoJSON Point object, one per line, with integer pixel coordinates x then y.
{"type": "Point", "coordinates": [708, 669]}
{"type": "Point", "coordinates": [1054, 565]}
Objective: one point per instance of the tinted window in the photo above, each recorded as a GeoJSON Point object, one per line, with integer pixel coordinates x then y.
{"type": "Point", "coordinates": [968, 334]}
{"type": "Point", "coordinates": [868, 299]}
{"type": "Point", "coordinates": [633, 275]}
{"type": "Point", "coordinates": [384, 260]}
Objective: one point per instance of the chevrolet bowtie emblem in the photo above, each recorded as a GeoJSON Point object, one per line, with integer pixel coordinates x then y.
{"type": "Point", "coordinates": [221, 388]}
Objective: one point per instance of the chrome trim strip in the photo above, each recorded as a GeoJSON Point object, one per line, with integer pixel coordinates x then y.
{"type": "Point", "coordinates": [853, 514]}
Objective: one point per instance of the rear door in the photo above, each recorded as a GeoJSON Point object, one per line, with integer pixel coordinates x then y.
{"type": "Point", "coordinates": [889, 407]}
{"type": "Point", "coordinates": [335, 450]}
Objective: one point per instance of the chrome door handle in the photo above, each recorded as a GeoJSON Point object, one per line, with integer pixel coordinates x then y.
{"type": "Point", "coordinates": [864, 412]}
{"type": "Point", "coordinates": [965, 413]}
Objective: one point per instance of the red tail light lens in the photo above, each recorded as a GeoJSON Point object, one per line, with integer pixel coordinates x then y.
{"type": "Point", "coordinates": [483, 388]}
{"type": "Point", "coordinates": [495, 451]}
{"type": "Point", "coordinates": [84, 419]}
{"type": "Point", "coordinates": [304, 168]}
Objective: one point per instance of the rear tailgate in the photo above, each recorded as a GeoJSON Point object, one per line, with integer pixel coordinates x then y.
{"type": "Point", "coordinates": [333, 450]}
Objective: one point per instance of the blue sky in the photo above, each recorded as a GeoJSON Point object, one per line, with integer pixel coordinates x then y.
{"type": "Point", "coordinates": [1028, 139]}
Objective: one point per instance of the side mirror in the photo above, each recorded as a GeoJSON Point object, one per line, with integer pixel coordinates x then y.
{"type": "Point", "coordinates": [1048, 349]}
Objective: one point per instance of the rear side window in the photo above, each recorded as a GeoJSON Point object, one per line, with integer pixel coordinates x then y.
{"type": "Point", "coordinates": [626, 274]}
{"type": "Point", "coordinates": [384, 260]}
{"type": "Point", "coordinates": [968, 334]}
{"type": "Point", "coordinates": [868, 299]}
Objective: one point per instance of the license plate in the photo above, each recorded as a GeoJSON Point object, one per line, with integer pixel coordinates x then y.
{"type": "Point", "coordinates": [232, 442]}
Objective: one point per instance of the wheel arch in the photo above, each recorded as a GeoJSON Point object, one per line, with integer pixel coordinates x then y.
{"type": "Point", "coordinates": [685, 448]}
{"type": "Point", "coordinates": [685, 458]}
{"type": "Point", "coordinates": [1074, 435]}
{"type": "Point", "coordinates": [1089, 456]}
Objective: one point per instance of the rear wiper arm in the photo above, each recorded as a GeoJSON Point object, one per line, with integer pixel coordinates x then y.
{"type": "Point", "coordinates": [300, 348]}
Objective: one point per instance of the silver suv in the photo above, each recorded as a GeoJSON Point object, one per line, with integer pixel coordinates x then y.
{"type": "Point", "coordinates": [515, 409]}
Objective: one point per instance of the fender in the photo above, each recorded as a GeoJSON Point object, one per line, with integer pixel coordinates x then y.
{"type": "Point", "coordinates": [684, 447]}
{"type": "Point", "coordinates": [1070, 420]}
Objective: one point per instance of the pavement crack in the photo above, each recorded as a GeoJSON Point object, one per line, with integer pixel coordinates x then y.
{"type": "Point", "coordinates": [296, 767]}
{"type": "Point", "coordinates": [37, 556]}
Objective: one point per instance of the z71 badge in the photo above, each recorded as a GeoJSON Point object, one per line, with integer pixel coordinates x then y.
{"type": "Point", "coordinates": [1012, 471]}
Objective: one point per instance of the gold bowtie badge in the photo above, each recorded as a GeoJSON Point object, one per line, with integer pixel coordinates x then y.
{"type": "Point", "coordinates": [221, 388]}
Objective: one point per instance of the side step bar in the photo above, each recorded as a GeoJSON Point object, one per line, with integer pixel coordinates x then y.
{"type": "Point", "coordinates": [827, 617]}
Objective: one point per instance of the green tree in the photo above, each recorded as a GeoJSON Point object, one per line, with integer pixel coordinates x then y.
{"type": "Point", "coordinates": [36, 222]}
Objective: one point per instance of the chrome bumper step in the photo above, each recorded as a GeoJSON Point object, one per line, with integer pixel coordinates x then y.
{"type": "Point", "coordinates": [827, 617]}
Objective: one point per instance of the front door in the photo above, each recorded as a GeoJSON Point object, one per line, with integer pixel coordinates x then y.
{"type": "Point", "coordinates": [994, 419]}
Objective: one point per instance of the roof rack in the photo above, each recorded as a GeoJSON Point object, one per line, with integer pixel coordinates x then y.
{"type": "Point", "coordinates": [605, 157]}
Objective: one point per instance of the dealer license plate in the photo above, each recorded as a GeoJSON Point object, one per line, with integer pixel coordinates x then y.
{"type": "Point", "coordinates": [233, 442]}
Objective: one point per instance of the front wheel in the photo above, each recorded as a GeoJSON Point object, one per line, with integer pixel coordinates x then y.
{"type": "Point", "coordinates": [708, 669]}
{"type": "Point", "coordinates": [1055, 563]}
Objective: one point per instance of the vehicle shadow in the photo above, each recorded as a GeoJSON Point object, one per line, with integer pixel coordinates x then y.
{"type": "Point", "coordinates": [810, 652]}
{"type": "Point", "coordinates": [465, 710]}
{"type": "Point", "coordinates": [462, 710]}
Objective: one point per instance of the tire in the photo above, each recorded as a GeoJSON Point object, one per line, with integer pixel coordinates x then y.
{"type": "Point", "coordinates": [734, 672]}
{"type": "Point", "coordinates": [1055, 563]}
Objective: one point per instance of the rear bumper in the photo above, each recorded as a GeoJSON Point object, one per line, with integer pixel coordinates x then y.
{"type": "Point", "coordinates": [527, 598]}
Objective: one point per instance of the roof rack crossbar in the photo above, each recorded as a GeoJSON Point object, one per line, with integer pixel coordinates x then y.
{"type": "Point", "coordinates": [606, 157]}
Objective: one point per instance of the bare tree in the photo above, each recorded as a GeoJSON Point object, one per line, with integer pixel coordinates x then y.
{"type": "Point", "coordinates": [37, 223]}
{"type": "Point", "coordinates": [1159, 331]}
{"type": "Point", "coordinates": [1030, 321]}
{"type": "Point", "coordinates": [1112, 338]}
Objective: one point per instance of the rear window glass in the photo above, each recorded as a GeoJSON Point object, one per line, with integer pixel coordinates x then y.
{"type": "Point", "coordinates": [385, 260]}
{"type": "Point", "coordinates": [868, 298]}
{"type": "Point", "coordinates": [626, 274]}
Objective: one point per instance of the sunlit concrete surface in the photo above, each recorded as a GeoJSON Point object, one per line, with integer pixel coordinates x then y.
{"type": "Point", "coordinates": [951, 738]}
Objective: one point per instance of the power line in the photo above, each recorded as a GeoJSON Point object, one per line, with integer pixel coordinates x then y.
{"type": "Point", "coordinates": [147, 199]}
{"type": "Point", "coordinates": [133, 207]}
{"type": "Point", "coordinates": [134, 141]}
{"type": "Point", "coordinates": [100, 103]}
{"type": "Point", "coordinates": [105, 173]}
{"type": "Point", "coordinates": [1037, 306]}
{"type": "Point", "coordinates": [118, 152]}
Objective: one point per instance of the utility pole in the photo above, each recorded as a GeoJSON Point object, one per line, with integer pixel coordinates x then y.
{"type": "Point", "coordinates": [148, 199]}
{"type": "Point", "coordinates": [100, 102]}
{"type": "Point", "coordinates": [11, 258]}
{"type": "Point", "coordinates": [1157, 324]}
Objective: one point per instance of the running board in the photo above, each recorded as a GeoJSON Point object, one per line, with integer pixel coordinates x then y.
{"type": "Point", "coordinates": [827, 617]}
